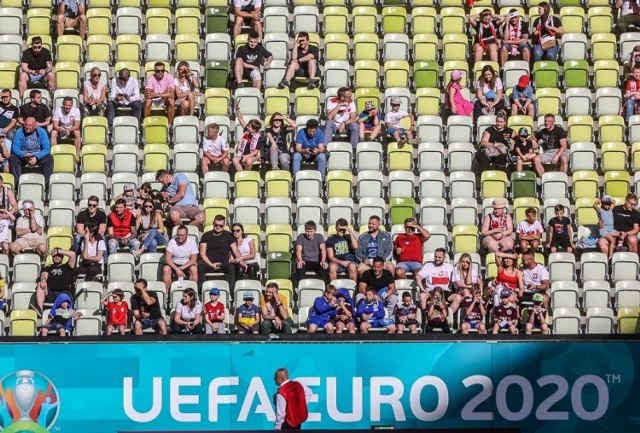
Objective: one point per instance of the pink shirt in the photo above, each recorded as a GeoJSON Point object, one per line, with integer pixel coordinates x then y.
{"type": "Point", "coordinates": [161, 86]}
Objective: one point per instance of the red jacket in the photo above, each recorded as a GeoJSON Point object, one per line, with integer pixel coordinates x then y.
{"type": "Point", "coordinates": [296, 411]}
{"type": "Point", "coordinates": [121, 226]}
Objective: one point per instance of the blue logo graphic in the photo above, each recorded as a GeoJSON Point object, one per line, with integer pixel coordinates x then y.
{"type": "Point", "coordinates": [29, 403]}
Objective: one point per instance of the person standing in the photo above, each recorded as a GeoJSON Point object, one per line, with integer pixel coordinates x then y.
{"type": "Point", "coordinates": [291, 401]}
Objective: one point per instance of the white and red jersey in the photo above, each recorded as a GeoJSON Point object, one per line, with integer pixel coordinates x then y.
{"type": "Point", "coordinates": [524, 228]}
{"type": "Point", "coordinates": [343, 113]}
{"type": "Point", "coordinates": [435, 276]}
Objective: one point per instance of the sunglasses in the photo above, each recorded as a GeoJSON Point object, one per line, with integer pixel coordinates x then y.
{"type": "Point", "coordinates": [159, 71]}
{"type": "Point", "coordinates": [96, 75]}
{"type": "Point", "coordinates": [277, 120]}
{"type": "Point", "coordinates": [467, 262]}
{"type": "Point", "coordinates": [6, 96]}
{"type": "Point", "coordinates": [219, 225]}
{"type": "Point", "coordinates": [92, 205]}
{"type": "Point", "coordinates": [237, 230]}
{"type": "Point", "coordinates": [36, 47]}
{"type": "Point", "coordinates": [148, 207]}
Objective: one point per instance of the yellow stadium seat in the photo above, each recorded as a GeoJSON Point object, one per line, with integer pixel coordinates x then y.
{"type": "Point", "coordinates": [366, 94]}
{"type": "Point", "coordinates": [396, 73]}
{"type": "Point", "coordinates": [64, 158]}
{"type": "Point", "coordinates": [394, 19]}
{"type": "Point", "coordinates": [215, 206]}
{"type": "Point", "coordinates": [99, 48]}
{"type": "Point", "coordinates": [247, 184]}
{"type": "Point", "coordinates": [585, 213]}
{"type": "Point", "coordinates": [600, 19]}
{"type": "Point", "coordinates": [156, 157]}
{"type": "Point", "coordinates": [364, 19]}
{"type": "Point", "coordinates": [455, 46]}
{"type": "Point", "coordinates": [617, 183]}
{"type": "Point", "coordinates": [465, 239]}
{"type": "Point", "coordinates": [158, 21]}
{"type": "Point", "coordinates": [278, 238]}
{"type": "Point", "coordinates": [67, 75]}
{"type": "Point", "coordinates": [572, 18]}
{"type": "Point", "coordinates": [452, 20]}
{"type": "Point", "coordinates": [217, 101]}
{"type": "Point", "coordinates": [365, 46]}
{"type": "Point", "coordinates": [307, 102]}
{"type": "Point", "coordinates": [611, 128]}
{"type": "Point", "coordinates": [425, 47]}
{"type": "Point", "coordinates": [9, 73]}
{"type": "Point", "coordinates": [549, 101]}
{"type": "Point", "coordinates": [336, 19]}
{"type": "Point", "coordinates": [69, 48]}
{"type": "Point", "coordinates": [98, 21]}
{"type": "Point", "coordinates": [187, 47]}
{"type": "Point", "coordinates": [428, 101]}
{"type": "Point", "coordinates": [493, 184]}
{"type": "Point", "coordinates": [423, 20]}
{"type": "Point", "coordinates": [614, 156]}
{"type": "Point", "coordinates": [187, 21]}
{"type": "Point", "coordinates": [580, 128]}
{"type": "Point", "coordinates": [95, 130]}
{"type": "Point", "coordinates": [60, 237]}
{"type": "Point", "coordinates": [606, 73]}
{"type": "Point", "coordinates": [366, 74]}
{"type": "Point", "coordinates": [603, 46]}
{"type": "Point", "coordinates": [155, 129]}
{"type": "Point", "coordinates": [278, 183]}
{"type": "Point", "coordinates": [399, 158]}
{"type": "Point", "coordinates": [628, 320]}
{"type": "Point", "coordinates": [585, 184]}
{"type": "Point", "coordinates": [339, 183]}
{"type": "Point", "coordinates": [23, 323]}
{"type": "Point", "coordinates": [276, 100]}
{"type": "Point", "coordinates": [38, 21]}
{"type": "Point", "coordinates": [336, 46]}
{"type": "Point", "coordinates": [94, 158]}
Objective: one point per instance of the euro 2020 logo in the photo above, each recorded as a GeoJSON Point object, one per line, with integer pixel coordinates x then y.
{"type": "Point", "coordinates": [29, 403]}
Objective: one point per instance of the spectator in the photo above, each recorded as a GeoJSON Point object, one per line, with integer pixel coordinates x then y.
{"type": "Point", "coordinates": [393, 122]}
{"type": "Point", "coordinates": [31, 147]}
{"type": "Point", "coordinates": [524, 148]}
{"type": "Point", "coordinates": [606, 222]}
{"type": "Point", "coordinates": [3, 291]}
{"type": "Point", "coordinates": [159, 92]}
{"type": "Point", "coordinates": [246, 263]}
{"type": "Point", "coordinates": [487, 29]}
{"type": "Point", "coordinates": [465, 275]}
{"type": "Point", "coordinates": [494, 145]}
{"type": "Point", "coordinates": [94, 94]}
{"type": "Point", "coordinates": [311, 253]}
{"type": "Point", "coordinates": [128, 195]}
{"type": "Point", "coordinates": [554, 140]}
{"type": "Point", "coordinates": [341, 117]}
{"type": "Point", "coordinates": [36, 109]}
{"type": "Point", "coordinates": [92, 217]}
{"type": "Point", "coordinates": [248, 315]}
{"type": "Point", "coordinates": [537, 316]}
{"type": "Point", "coordinates": [187, 318]}
{"type": "Point", "coordinates": [121, 228]}
{"type": "Point", "coordinates": [7, 219]}
{"type": "Point", "coordinates": [546, 29]}
{"type": "Point", "coordinates": [249, 146]}
{"type": "Point", "coordinates": [56, 279]}
{"type": "Point", "coordinates": [408, 248]}
{"type": "Point", "coordinates": [475, 311]}
{"type": "Point", "coordinates": [150, 228]}
{"type": "Point", "coordinates": [345, 315]}
{"type": "Point", "coordinates": [214, 150]}
{"type": "Point", "coordinates": [522, 100]}
{"type": "Point", "coordinates": [489, 92]}
{"type": "Point", "coordinates": [407, 314]}
{"type": "Point", "coordinates": [277, 151]}
{"type": "Point", "coordinates": [535, 278]}
{"type": "Point", "coordinates": [632, 93]}
{"type": "Point", "coordinates": [62, 317]}
{"type": "Point", "coordinates": [373, 243]}
{"type": "Point", "coordinates": [214, 313]}
{"type": "Point", "coordinates": [497, 228]}
{"type": "Point", "coordinates": [71, 14]}
{"type": "Point", "coordinates": [247, 12]}
{"type": "Point", "coordinates": [8, 116]}
{"type": "Point", "coordinates": [217, 248]}
{"type": "Point", "coordinates": [438, 314]}
{"type": "Point", "coordinates": [633, 59]}
{"type": "Point", "coordinates": [529, 231]}
{"type": "Point", "coordinates": [124, 93]}
{"type": "Point", "coordinates": [370, 314]}
{"type": "Point", "coordinates": [370, 121]}
{"type": "Point", "coordinates": [629, 16]}
{"type": "Point", "coordinates": [382, 282]}
{"type": "Point", "coordinates": [323, 313]}
{"type": "Point", "coordinates": [30, 231]}
{"type": "Point", "coordinates": [94, 251]}
{"type": "Point", "coordinates": [341, 249]}
{"type": "Point", "coordinates": [181, 259]}
{"type": "Point", "coordinates": [275, 315]}
{"type": "Point", "coordinates": [291, 400]}
{"type": "Point", "coordinates": [626, 220]}
{"type": "Point", "coordinates": [455, 101]}
{"type": "Point", "coordinates": [7, 198]}
{"type": "Point", "coordinates": [437, 273]}
{"type": "Point", "coordinates": [36, 66]}
{"type": "Point", "coordinates": [249, 58]}
{"type": "Point", "coordinates": [187, 89]}
{"type": "Point", "coordinates": [118, 311]}
{"type": "Point", "coordinates": [505, 315]}
{"type": "Point", "coordinates": [178, 193]}
{"type": "Point", "coordinates": [66, 124]}
{"type": "Point", "coordinates": [146, 309]}
{"type": "Point", "coordinates": [303, 64]}
{"type": "Point", "coordinates": [310, 148]}
{"type": "Point", "coordinates": [515, 38]}
{"type": "Point", "coordinates": [5, 152]}
{"type": "Point", "coordinates": [509, 276]}
{"type": "Point", "coordinates": [559, 232]}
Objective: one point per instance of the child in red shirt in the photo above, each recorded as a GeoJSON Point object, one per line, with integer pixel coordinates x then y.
{"type": "Point", "coordinates": [214, 313]}
{"type": "Point", "coordinates": [118, 312]}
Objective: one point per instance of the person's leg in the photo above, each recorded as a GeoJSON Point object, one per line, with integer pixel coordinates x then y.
{"type": "Point", "coordinates": [147, 107]}
{"type": "Point", "coordinates": [136, 106]}
{"type": "Point", "coordinates": [167, 277]}
{"type": "Point", "coordinates": [526, 53]}
{"type": "Point", "coordinates": [53, 137]}
{"type": "Point", "coordinates": [23, 83]}
{"type": "Point", "coordinates": [170, 103]}
{"type": "Point", "coordinates": [537, 53]}
{"type": "Point", "coordinates": [237, 27]}
{"type": "Point", "coordinates": [60, 24]}
{"type": "Point", "coordinates": [330, 127]}
{"type": "Point", "coordinates": [478, 52]}
{"type": "Point", "coordinates": [284, 160]}
{"type": "Point", "coordinates": [504, 54]}
{"type": "Point", "coordinates": [272, 156]}
{"type": "Point", "coordinates": [564, 162]}
{"type": "Point", "coordinates": [297, 160]}
{"type": "Point", "coordinates": [629, 108]}
{"type": "Point", "coordinates": [552, 53]}
{"type": "Point", "coordinates": [353, 134]}
{"type": "Point", "coordinates": [77, 141]}
{"type": "Point", "coordinates": [632, 244]}
{"type": "Point", "coordinates": [266, 327]}
{"type": "Point", "coordinates": [111, 113]}
{"type": "Point", "coordinates": [537, 165]}
{"type": "Point", "coordinates": [493, 52]}
{"type": "Point", "coordinates": [291, 70]}
{"type": "Point", "coordinates": [321, 160]}
{"type": "Point", "coordinates": [333, 271]}
{"type": "Point", "coordinates": [229, 274]}
{"type": "Point", "coordinates": [287, 326]}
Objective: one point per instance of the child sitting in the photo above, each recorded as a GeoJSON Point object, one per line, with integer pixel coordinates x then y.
{"type": "Point", "coordinates": [392, 120]}
{"type": "Point", "coordinates": [560, 233]}
{"type": "Point", "coordinates": [118, 310]}
{"type": "Point", "coordinates": [438, 313]}
{"type": "Point", "coordinates": [214, 313]}
{"type": "Point", "coordinates": [407, 314]}
{"type": "Point", "coordinates": [369, 121]}
{"type": "Point", "coordinates": [371, 313]}
{"type": "Point", "coordinates": [505, 315]}
{"type": "Point", "coordinates": [615, 238]}
{"type": "Point", "coordinates": [475, 311]}
{"type": "Point", "coordinates": [248, 315]}
{"type": "Point", "coordinates": [529, 231]}
{"type": "Point", "coordinates": [537, 318]}
{"type": "Point", "coordinates": [62, 316]}
{"type": "Point", "coordinates": [523, 148]}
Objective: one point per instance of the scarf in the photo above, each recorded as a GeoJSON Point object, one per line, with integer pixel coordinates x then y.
{"type": "Point", "coordinates": [493, 33]}
{"type": "Point", "coordinates": [514, 33]}
{"type": "Point", "coordinates": [547, 22]}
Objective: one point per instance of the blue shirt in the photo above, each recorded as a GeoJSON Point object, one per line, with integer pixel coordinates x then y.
{"type": "Point", "coordinates": [375, 307]}
{"type": "Point", "coordinates": [322, 308]}
{"type": "Point", "coordinates": [309, 142]}
{"type": "Point", "coordinates": [37, 143]}
{"type": "Point", "coordinates": [372, 248]}
{"type": "Point", "coordinates": [71, 7]}
{"type": "Point", "coordinates": [189, 198]}
{"type": "Point", "coordinates": [518, 92]}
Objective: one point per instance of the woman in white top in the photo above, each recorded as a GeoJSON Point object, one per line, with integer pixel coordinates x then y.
{"type": "Point", "coordinates": [94, 95]}
{"type": "Point", "coordinates": [465, 275]}
{"type": "Point", "coordinates": [187, 88]}
{"type": "Point", "coordinates": [93, 253]}
{"type": "Point", "coordinates": [488, 93]}
{"type": "Point", "coordinates": [188, 314]}
{"type": "Point", "coordinates": [246, 264]}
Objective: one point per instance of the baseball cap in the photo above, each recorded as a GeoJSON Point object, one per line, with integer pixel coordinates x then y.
{"type": "Point", "coordinates": [537, 297]}
{"type": "Point", "coordinates": [247, 295]}
{"type": "Point", "coordinates": [505, 294]}
{"type": "Point", "coordinates": [214, 291]}
{"type": "Point", "coordinates": [129, 187]}
{"type": "Point", "coordinates": [523, 132]}
{"type": "Point", "coordinates": [395, 100]}
{"type": "Point", "coordinates": [523, 81]}
{"type": "Point", "coordinates": [456, 75]}
{"type": "Point", "coordinates": [513, 13]}
{"type": "Point", "coordinates": [369, 105]}
{"type": "Point", "coordinates": [606, 199]}
{"type": "Point", "coordinates": [2, 133]}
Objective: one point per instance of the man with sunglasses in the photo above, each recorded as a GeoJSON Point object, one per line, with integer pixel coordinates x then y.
{"type": "Point", "coordinates": [30, 231]}
{"type": "Point", "coordinates": [626, 220]}
{"type": "Point", "coordinates": [341, 251]}
{"type": "Point", "coordinates": [159, 92]}
{"type": "Point", "coordinates": [93, 217]}
{"type": "Point", "coordinates": [217, 246]}
{"type": "Point", "coordinates": [36, 66]}
{"type": "Point", "coordinates": [341, 117]}
{"type": "Point", "coordinates": [304, 63]}
{"type": "Point", "coordinates": [124, 93]}
{"type": "Point", "coordinates": [407, 248]}
{"type": "Point", "coordinates": [8, 114]}
{"type": "Point", "coordinates": [56, 278]}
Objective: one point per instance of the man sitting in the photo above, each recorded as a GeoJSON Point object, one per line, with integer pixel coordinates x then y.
{"type": "Point", "coordinates": [31, 147]}
{"type": "Point", "coordinates": [181, 258]}
{"type": "Point", "coordinates": [66, 124]}
{"type": "Point", "coordinates": [304, 62]}
{"type": "Point", "coordinates": [159, 92]}
{"type": "Point", "coordinates": [56, 278]}
{"type": "Point", "coordinates": [71, 14]}
{"type": "Point", "coordinates": [36, 65]}
{"type": "Point", "coordinates": [310, 148]}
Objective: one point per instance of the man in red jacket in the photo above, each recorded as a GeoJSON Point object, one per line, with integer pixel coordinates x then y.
{"type": "Point", "coordinates": [291, 402]}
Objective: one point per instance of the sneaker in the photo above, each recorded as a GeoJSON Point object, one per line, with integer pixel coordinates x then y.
{"type": "Point", "coordinates": [314, 84]}
{"type": "Point", "coordinates": [239, 85]}
{"type": "Point", "coordinates": [283, 84]}
{"type": "Point", "coordinates": [415, 141]}
{"type": "Point", "coordinates": [402, 142]}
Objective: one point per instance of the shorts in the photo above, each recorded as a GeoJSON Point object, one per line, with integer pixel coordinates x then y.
{"type": "Point", "coordinates": [603, 231]}
{"type": "Point", "coordinates": [346, 322]}
{"type": "Point", "coordinates": [528, 296]}
{"type": "Point", "coordinates": [412, 267]}
{"type": "Point", "coordinates": [150, 323]}
{"type": "Point", "coordinates": [303, 70]}
{"type": "Point", "coordinates": [319, 321]}
{"type": "Point", "coordinates": [187, 211]}
{"type": "Point", "coordinates": [504, 325]}
{"type": "Point", "coordinates": [158, 102]}
{"type": "Point", "coordinates": [341, 269]}
{"type": "Point", "coordinates": [216, 328]}
{"type": "Point", "coordinates": [548, 155]}
{"type": "Point", "coordinates": [54, 326]}
{"type": "Point", "coordinates": [380, 323]}
{"type": "Point", "coordinates": [115, 326]}
{"type": "Point", "coordinates": [37, 78]}
{"type": "Point", "coordinates": [30, 242]}
{"type": "Point", "coordinates": [51, 295]}
{"type": "Point", "coordinates": [560, 243]}
{"type": "Point", "coordinates": [408, 322]}
{"type": "Point", "coordinates": [392, 131]}
{"type": "Point", "coordinates": [473, 324]}
{"type": "Point", "coordinates": [521, 47]}
{"type": "Point", "coordinates": [251, 74]}
{"type": "Point", "coordinates": [71, 22]}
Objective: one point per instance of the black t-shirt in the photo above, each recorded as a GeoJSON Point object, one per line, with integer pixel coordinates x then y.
{"type": "Point", "coordinates": [503, 136]}
{"type": "Point", "coordinates": [560, 227]}
{"type": "Point", "coordinates": [218, 247]}
{"type": "Point", "coordinates": [40, 112]}
{"type": "Point", "coordinates": [7, 114]}
{"type": "Point", "coordinates": [554, 21]}
{"type": "Point", "coordinates": [35, 63]}
{"type": "Point", "coordinates": [60, 278]}
{"type": "Point", "coordinates": [525, 146]}
{"type": "Point", "coordinates": [311, 49]}
{"type": "Point", "coordinates": [377, 283]}
{"type": "Point", "coordinates": [551, 139]}
{"type": "Point", "coordinates": [254, 57]}
{"type": "Point", "coordinates": [487, 34]}
{"type": "Point", "coordinates": [341, 247]}
{"type": "Point", "coordinates": [91, 221]}
{"type": "Point", "coordinates": [279, 137]}
{"type": "Point", "coordinates": [137, 303]}
{"type": "Point", "coordinates": [623, 220]}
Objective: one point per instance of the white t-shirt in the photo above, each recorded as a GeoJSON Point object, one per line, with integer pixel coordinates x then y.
{"type": "Point", "coordinates": [23, 223]}
{"type": "Point", "coordinates": [343, 114]}
{"type": "Point", "coordinates": [91, 91]}
{"type": "Point", "coordinates": [457, 276]}
{"type": "Point", "coordinates": [182, 253]}
{"type": "Point", "coordinates": [243, 3]}
{"type": "Point", "coordinates": [626, 8]}
{"type": "Point", "coordinates": [435, 276]}
{"type": "Point", "coordinates": [66, 120]}
{"type": "Point", "coordinates": [524, 228]}
{"type": "Point", "coordinates": [245, 249]}
{"type": "Point", "coordinates": [95, 247]}
{"type": "Point", "coordinates": [187, 314]}
{"type": "Point", "coordinates": [217, 147]}
{"type": "Point", "coordinates": [5, 229]}
{"type": "Point", "coordinates": [485, 87]}
{"type": "Point", "coordinates": [394, 117]}
{"type": "Point", "coordinates": [534, 276]}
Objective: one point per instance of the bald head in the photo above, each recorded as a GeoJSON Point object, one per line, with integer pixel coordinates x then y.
{"type": "Point", "coordinates": [281, 375]}
{"type": "Point", "coordinates": [30, 125]}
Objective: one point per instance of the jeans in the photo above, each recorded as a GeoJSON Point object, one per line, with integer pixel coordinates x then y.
{"type": "Point", "coordinates": [320, 159]}
{"type": "Point", "coordinates": [330, 128]}
{"type": "Point", "coordinates": [153, 239]}
{"type": "Point", "coordinates": [630, 108]}
{"type": "Point", "coordinates": [111, 111]}
{"type": "Point", "coordinates": [278, 159]}
{"type": "Point", "coordinates": [228, 269]}
{"type": "Point", "coordinates": [15, 167]}
{"type": "Point", "coordinates": [133, 245]}
{"type": "Point", "coordinates": [550, 54]}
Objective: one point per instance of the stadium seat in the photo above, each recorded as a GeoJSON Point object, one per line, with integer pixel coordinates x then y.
{"type": "Point", "coordinates": [605, 73]}
{"type": "Point", "coordinates": [576, 74]}
{"type": "Point", "coordinates": [23, 323]}
{"type": "Point", "coordinates": [401, 184]}
{"type": "Point", "coordinates": [11, 20]}
{"type": "Point", "coordinates": [336, 46]}
{"type": "Point", "coordinates": [38, 21]}
{"type": "Point", "coordinates": [364, 20]}
{"type": "Point", "coordinates": [425, 74]}
{"type": "Point", "coordinates": [425, 47]}
{"type": "Point", "coordinates": [455, 46]}
{"type": "Point", "coordinates": [306, 19]}
{"type": "Point", "coordinates": [596, 294]}
{"type": "Point", "coordinates": [308, 209]}
{"type": "Point", "coordinates": [439, 238]}
{"type": "Point", "coordinates": [585, 213]}
{"type": "Point", "coordinates": [394, 20]}
{"type": "Point", "coordinates": [308, 183]}
{"type": "Point", "coordinates": [523, 184]}
{"type": "Point", "coordinates": [339, 208]}
{"type": "Point", "coordinates": [369, 184]}
{"type": "Point", "coordinates": [594, 267]}
{"type": "Point", "coordinates": [465, 238]}
{"type": "Point", "coordinates": [493, 184]}
{"type": "Point", "coordinates": [603, 46]}
{"type": "Point", "coordinates": [339, 183]}
{"type": "Point", "coordinates": [369, 206]}
{"type": "Point", "coordinates": [577, 101]}
{"type": "Point", "coordinates": [566, 321]}
{"type": "Point", "coordinates": [549, 100]}
{"type": "Point", "coordinates": [580, 128]}
{"type": "Point", "coordinates": [430, 156]}
{"type": "Point", "coordinates": [462, 184]}
{"type": "Point", "coordinates": [546, 74]}
{"type": "Point", "coordinates": [215, 206]}
{"type": "Point", "coordinates": [399, 158]}
{"type": "Point", "coordinates": [583, 156]}
{"type": "Point", "coordinates": [128, 21]}
{"type": "Point", "coordinates": [562, 267]}
{"type": "Point", "coordinates": [573, 46]}
{"type": "Point", "coordinates": [617, 183]}
{"type": "Point", "coordinates": [564, 294]}
{"type": "Point", "coordinates": [278, 210]}
{"type": "Point", "coordinates": [614, 156]}
{"type": "Point", "coordinates": [433, 211]}
{"type": "Point", "coordinates": [629, 320]}
{"type": "Point", "coordinates": [278, 238]}
{"type": "Point", "coordinates": [600, 19]}
{"type": "Point", "coordinates": [624, 267]}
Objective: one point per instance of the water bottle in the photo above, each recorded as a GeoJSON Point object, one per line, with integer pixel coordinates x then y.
{"type": "Point", "coordinates": [180, 280]}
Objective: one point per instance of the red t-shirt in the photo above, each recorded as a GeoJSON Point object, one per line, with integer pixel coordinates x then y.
{"type": "Point", "coordinates": [412, 248]}
{"type": "Point", "coordinates": [118, 313]}
{"type": "Point", "coordinates": [633, 86]}
{"type": "Point", "coordinates": [213, 310]}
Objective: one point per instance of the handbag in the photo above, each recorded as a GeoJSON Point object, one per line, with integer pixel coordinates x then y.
{"type": "Point", "coordinates": [548, 42]}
